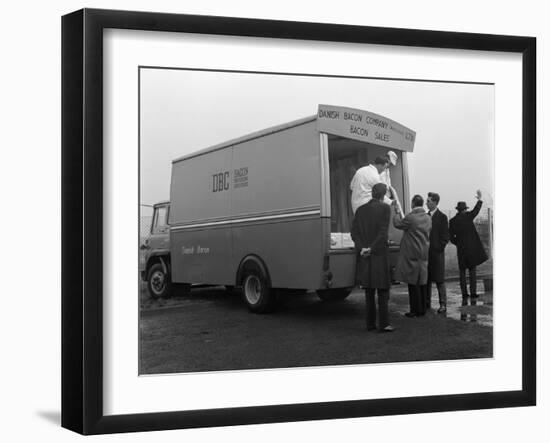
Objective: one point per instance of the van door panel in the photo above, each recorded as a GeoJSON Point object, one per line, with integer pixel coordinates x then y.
{"type": "Point", "coordinates": [291, 249]}
{"type": "Point", "coordinates": [202, 256]}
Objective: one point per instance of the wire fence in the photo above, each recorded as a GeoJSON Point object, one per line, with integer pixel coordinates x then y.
{"type": "Point", "coordinates": [145, 222]}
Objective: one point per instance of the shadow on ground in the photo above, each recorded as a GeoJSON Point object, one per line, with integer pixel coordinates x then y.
{"type": "Point", "coordinates": [54, 417]}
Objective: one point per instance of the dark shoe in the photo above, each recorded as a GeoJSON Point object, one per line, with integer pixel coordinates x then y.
{"type": "Point", "coordinates": [388, 328]}
{"type": "Point", "coordinates": [410, 314]}
{"type": "Point", "coordinates": [442, 310]}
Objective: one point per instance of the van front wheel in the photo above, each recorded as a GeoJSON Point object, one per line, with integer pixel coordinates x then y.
{"type": "Point", "coordinates": [259, 297]}
{"type": "Point", "coordinates": [333, 294]}
{"type": "Point", "coordinates": [158, 282]}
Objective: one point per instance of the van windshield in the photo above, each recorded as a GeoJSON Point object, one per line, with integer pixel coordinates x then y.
{"type": "Point", "coordinates": [345, 158]}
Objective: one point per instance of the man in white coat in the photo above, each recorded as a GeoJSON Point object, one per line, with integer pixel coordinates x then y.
{"type": "Point", "coordinates": [363, 181]}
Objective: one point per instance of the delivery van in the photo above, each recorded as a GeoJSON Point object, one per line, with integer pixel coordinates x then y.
{"type": "Point", "coordinates": [271, 210]}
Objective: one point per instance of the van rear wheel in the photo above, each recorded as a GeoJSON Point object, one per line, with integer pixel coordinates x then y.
{"type": "Point", "coordinates": [333, 294]}
{"type": "Point", "coordinates": [158, 282]}
{"type": "Point", "coordinates": [259, 297]}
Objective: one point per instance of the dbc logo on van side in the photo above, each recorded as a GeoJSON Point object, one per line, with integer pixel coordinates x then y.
{"type": "Point", "coordinates": [220, 181]}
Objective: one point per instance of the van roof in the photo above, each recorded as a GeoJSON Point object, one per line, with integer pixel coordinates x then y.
{"type": "Point", "coordinates": [248, 137]}
{"type": "Point", "coordinates": [331, 121]}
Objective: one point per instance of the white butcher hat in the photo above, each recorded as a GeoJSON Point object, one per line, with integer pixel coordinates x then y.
{"type": "Point", "coordinates": [393, 157]}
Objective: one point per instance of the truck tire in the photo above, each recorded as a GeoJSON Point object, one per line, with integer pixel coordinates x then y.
{"type": "Point", "coordinates": [337, 294]}
{"type": "Point", "coordinates": [158, 282]}
{"type": "Point", "coordinates": [257, 294]}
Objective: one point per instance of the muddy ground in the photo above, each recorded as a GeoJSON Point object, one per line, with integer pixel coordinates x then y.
{"type": "Point", "coordinates": [211, 329]}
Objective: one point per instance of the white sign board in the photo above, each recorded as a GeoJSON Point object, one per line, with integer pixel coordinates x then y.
{"type": "Point", "coordinates": [364, 126]}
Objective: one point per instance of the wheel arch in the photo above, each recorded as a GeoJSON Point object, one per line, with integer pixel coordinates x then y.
{"type": "Point", "coordinates": [252, 259]}
{"type": "Point", "coordinates": [163, 258]}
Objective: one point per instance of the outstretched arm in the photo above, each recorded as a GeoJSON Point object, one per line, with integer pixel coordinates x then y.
{"type": "Point", "coordinates": [474, 212]}
{"type": "Point", "coordinates": [400, 222]}
{"type": "Point", "coordinates": [397, 203]}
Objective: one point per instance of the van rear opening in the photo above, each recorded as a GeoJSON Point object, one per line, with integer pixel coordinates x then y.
{"type": "Point", "coordinates": [346, 156]}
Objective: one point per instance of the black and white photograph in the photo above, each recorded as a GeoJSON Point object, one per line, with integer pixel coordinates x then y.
{"type": "Point", "coordinates": [290, 220]}
{"type": "Point", "coordinates": [286, 221]}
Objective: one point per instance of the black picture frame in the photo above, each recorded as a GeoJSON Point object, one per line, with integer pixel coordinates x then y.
{"type": "Point", "coordinates": [82, 215]}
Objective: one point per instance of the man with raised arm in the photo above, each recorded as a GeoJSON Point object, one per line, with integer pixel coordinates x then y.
{"type": "Point", "coordinates": [469, 249]}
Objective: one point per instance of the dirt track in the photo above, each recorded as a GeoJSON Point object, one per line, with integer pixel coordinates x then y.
{"type": "Point", "coordinates": [210, 329]}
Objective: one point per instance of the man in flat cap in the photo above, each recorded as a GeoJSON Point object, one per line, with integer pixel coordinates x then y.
{"type": "Point", "coordinates": [469, 248]}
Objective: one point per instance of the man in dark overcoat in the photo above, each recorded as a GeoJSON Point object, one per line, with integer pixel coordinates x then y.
{"type": "Point", "coordinates": [439, 237]}
{"type": "Point", "coordinates": [369, 232]}
{"type": "Point", "coordinates": [469, 248]}
{"type": "Point", "coordinates": [412, 264]}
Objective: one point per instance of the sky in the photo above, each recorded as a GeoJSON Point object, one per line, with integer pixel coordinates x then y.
{"type": "Point", "coordinates": [184, 111]}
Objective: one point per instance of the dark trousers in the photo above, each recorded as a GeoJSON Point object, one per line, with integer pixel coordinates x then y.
{"type": "Point", "coordinates": [473, 316]}
{"type": "Point", "coordinates": [473, 282]}
{"type": "Point", "coordinates": [441, 290]}
{"type": "Point", "coordinates": [383, 297]}
{"type": "Point", "coordinates": [417, 299]}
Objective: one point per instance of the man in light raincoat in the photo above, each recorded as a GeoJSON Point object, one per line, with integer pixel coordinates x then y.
{"type": "Point", "coordinates": [412, 264]}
